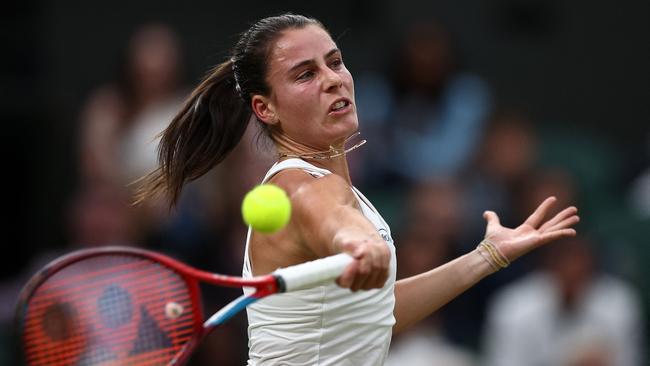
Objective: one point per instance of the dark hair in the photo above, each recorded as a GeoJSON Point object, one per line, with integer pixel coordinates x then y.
{"type": "Point", "coordinates": [215, 116]}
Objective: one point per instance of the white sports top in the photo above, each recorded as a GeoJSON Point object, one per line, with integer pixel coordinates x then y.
{"type": "Point", "coordinates": [326, 325]}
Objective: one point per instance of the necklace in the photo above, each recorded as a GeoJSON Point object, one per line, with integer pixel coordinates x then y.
{"type": "Point", "coordinates": [326, 154]}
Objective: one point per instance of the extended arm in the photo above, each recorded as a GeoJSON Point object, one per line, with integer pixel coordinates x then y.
{"type": "Point", "coordinates": [418, 296]}
{"type": "Point", "coordinates": [326, 220]}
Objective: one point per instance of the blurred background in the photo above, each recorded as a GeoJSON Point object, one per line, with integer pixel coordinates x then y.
{"type": "Point", "coordinates": [466, 106]}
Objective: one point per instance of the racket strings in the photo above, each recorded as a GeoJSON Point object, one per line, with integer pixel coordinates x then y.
{"type": "Point", "coordinates": [111, 309]}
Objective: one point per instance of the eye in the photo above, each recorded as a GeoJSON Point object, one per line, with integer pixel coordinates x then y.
{"type": "Point", "coordinates": [306, 75]}
{"type": "Point", "coordinates": [336, 63]}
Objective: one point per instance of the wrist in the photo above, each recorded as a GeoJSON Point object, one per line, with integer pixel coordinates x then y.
{"type": "Point", "coordinates": [492, 255]}
{"type": "Point", "coordinates": [478, 265]}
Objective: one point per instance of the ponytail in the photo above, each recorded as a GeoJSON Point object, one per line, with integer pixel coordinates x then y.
{"type": "Point", "coordinates": [214, 118]}
{"type": "Point", "coordinates": [210, 124]}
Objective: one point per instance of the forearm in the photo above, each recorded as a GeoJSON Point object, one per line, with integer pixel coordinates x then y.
{"type": "Point", "coordinates": [418, 296]}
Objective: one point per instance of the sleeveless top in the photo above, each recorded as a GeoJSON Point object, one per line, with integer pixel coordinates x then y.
{"type": "Point", "coordinates": [326, 325]}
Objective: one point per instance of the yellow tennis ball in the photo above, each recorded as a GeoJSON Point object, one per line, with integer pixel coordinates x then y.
{"type": "Point", "coordinates": [266, 208]}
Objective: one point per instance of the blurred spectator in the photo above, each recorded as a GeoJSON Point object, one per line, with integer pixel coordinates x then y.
{"type": "Point", "coordinates": [640, 191]}
{"type": "Point", "coordinates": [566, 314]}
{"type": "Point", "coordinates": [506, 155]}
{"type": "Point", "coordinates": [121, 121]}
{"type": "Point", "coordinates": [119, 136]}
{"type": "Point", "coordinates": [226, 346]}
{"type": "Point", "coordinates": [120, 124]}
{"type": "Point", "coordinates": [100, 216]}
{"type": "Point", "coordinates": [505, 158]}
{"type": "Point", "coordinates": [542, 183]}
{"type": "Point", "coordinates": [640, 194]}
{"type": "Point", "coordinates": [426, 120]}
{"type": "Point", "coordinates": [426, 346]}
{"type": "Point", "coordinates": [427, 241]}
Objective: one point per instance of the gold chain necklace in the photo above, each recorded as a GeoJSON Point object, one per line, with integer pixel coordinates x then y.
{"type": "Point", "coordinates": [326, 154]}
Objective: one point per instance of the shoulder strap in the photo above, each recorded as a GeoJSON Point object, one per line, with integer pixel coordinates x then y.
{"type": "Point", "coordinates": [295, 164]}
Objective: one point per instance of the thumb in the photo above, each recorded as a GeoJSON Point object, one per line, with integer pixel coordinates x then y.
{"type": "Point", "coordinates": [492, 220]}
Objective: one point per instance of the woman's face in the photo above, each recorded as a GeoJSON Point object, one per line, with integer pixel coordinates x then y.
{"type": "Point", "coordinates": [312, 93]}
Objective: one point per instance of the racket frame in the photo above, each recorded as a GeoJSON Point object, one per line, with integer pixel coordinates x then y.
{"type": "Point", "coordinates": [264, 285]}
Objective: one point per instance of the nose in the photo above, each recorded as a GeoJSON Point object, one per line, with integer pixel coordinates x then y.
{"type": "Point", "coordinates": [331, 80]}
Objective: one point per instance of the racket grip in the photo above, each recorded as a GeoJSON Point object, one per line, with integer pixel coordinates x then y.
{"type": "Point", "coordinates": [310, 274]}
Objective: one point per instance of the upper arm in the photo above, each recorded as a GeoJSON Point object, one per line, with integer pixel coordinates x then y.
{"type": "Point", "coordinates": [325, 211]}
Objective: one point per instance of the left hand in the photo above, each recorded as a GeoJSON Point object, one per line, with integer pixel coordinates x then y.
{"type": "Point", "coordinates": [533, 233]}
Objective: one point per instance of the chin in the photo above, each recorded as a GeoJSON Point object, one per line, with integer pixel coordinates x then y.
{"type": "Point", "coordinates": [339, 129]}
{"type": "Point", "coordinates": [343, 134]}
{"type": "Point", "coordinates": [350, 122]}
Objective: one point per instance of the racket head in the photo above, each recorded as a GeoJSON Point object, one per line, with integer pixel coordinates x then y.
{"type": "Point", "coordinates": [109, 306]}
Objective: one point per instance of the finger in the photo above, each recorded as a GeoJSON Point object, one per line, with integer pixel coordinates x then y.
{"type": "Point", "coordinates": [569, 211]}
{"type": "Point", "coordinates": [381, 281]}
{"type": "Point", "coordinates": [345, 279]}
{"type": "Point", "coordinates": [492, 220]}
{"type": "Point", "coordinates": [566, 223]}
{"type": "Point", "coordinates": [385, 266]}
{"type": "Point", "coordinates": [555, 235]}
{"type": "Point", "coordinates": [536, 218]}
{"type": "Point", "coordinates": [379, 271]}
{"type": "Point", "coordinates": [379, 258]}
{"type": "Point", "coordinates": [365, 262]}
{"type": "Point", "coordinates": [359, 282]}
{"type": "Point", "coordinates": [376, 270]}
{"type": "Point", "coordinates": [372, 281]}
{"type": "Point", "coordinates": [559, 217]}
{"type": "Point", "coordinates": [363, 272]}
{"type": "Point", "coordinates": [384, 256]}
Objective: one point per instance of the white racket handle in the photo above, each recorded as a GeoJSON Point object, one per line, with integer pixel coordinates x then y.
{"type": "Point", "coordinates": [310, 274]}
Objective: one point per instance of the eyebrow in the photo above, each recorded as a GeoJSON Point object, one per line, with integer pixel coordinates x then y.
{"type": "Point", "coordinates": [311, 61]}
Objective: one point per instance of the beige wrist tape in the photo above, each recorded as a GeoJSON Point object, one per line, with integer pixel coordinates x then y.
{"type": "Point", "coordinates": [492, 255]}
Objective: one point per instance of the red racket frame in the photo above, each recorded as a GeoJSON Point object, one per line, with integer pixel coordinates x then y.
{"type": "Point", "coordinates": [264, 285]}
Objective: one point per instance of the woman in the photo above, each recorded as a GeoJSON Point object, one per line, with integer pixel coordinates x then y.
{"type": "Point", "coordinates": [288, 73]}
{"type": "Point", "coordinates": [119, 124]}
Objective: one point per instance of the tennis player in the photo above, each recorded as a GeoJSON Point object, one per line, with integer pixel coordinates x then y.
{"type": "Point", "coordinates": [288, 74]}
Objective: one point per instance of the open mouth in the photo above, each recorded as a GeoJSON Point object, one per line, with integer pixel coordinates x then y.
{"type": "Point", "coordinates": [340, 105]}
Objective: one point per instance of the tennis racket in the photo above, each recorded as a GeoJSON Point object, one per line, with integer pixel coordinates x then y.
{"type": "Point", "coordinates": [126, 306]}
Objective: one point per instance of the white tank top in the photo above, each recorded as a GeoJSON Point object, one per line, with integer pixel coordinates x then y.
{"type": "Point", "coordinates": [326, 325]}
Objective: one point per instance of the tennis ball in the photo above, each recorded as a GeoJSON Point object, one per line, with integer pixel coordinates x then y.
{"type": "Point", "coordinates": [266, 208]}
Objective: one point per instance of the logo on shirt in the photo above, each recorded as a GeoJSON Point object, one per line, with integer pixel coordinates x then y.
{"type": "Point", "coordinates": [384, 235]}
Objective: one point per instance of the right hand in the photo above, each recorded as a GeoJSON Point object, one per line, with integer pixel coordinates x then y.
{"type": "Point", "coordinates": [370, 266]}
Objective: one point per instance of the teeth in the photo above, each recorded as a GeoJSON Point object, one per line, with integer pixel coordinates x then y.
{"type": "Point", "coordinates": [339, 105]}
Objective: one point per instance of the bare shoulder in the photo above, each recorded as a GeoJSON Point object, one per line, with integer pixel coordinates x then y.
{"type": "Point", "coordinates": [291, 180]}
{"type": "Point", "coordinates": [315, 202]}
{"type": "Point", "coordinates": [320, 208]}
{"type": "Point", "coordinates": [301, 186]}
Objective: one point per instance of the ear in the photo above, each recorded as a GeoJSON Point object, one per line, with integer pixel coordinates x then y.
{"type": "Point", "coordinates": [264, 109]}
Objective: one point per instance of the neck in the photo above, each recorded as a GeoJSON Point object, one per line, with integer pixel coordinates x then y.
{"type": "Point", "coordinates": [333, 159]}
